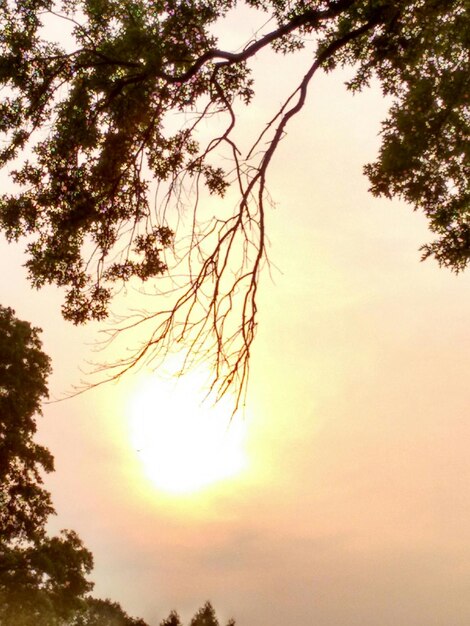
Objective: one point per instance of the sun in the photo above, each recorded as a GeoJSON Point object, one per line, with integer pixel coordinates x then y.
{"type": "Point", "coordinates": [184, 443]}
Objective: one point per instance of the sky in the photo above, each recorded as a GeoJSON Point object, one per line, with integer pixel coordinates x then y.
{"type": "Point", "coordinates": [347, 501]}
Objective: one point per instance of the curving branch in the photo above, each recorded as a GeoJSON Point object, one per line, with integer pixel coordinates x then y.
{"type": "Point", "coordinates": [94, 132]}
{"type": "Point", "coordinates": [201, 321]}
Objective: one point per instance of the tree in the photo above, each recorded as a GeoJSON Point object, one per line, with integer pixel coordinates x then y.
{"type": "Point", "coordinates": [25, 504]}
{"type": "Point", "coordinates": [42, 578]}
{"type": "Point", "coordinates": [43, 582]}
{"type": "Point", "coordinates": [172, 620]}
{"type": "Point", "coordinates": [96, 612]}
{"type": "Point", "coordinates": [204, 617]}
{"type": "Point", "coordinates": [99, 118]}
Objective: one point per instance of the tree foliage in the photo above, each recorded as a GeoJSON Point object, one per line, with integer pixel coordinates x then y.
{"type": "Point", "coordinates": [95, 612]}
{"type": "Point", "coordinates": [43, 583]}
{"type": "Point", "coordinates": [42, 578]}
{"type": "Point", "coordinates": [24, 503]}
{"type": "Point", "coordinates": [95, 120]}
{"type": "Point", "coordinates": [206, 616]}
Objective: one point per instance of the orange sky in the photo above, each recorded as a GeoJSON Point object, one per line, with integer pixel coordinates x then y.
{"type": "Point", "coordinates": [354, 509]}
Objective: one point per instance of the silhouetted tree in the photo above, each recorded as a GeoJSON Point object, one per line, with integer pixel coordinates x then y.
{"type": "Point", "coordinates": [42, 582]}
{"type": "Point", "coordinates": [204, 617]}
{"type": "Point", "coordinates": [25, 504]}
{"type": "Point", "coordinates": [42, 578]}
{"type": "Point", "coordinates": [96, 612]}
{"type": "Point", "coordinates": [172, 620]}
{"type": "Point", "coordinates": [99, 118]}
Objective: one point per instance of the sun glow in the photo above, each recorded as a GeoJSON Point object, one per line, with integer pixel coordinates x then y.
{"type": "Point", "coordinates": [184, 443]}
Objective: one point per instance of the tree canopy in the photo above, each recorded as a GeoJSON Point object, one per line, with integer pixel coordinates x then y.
{"type": "Point", "coordinates": [94, 126]}
{"type": "Point", "coordinates": [206, 616]}
{"type": "Point", "coordinates": [25, 504]}
{"type": "Point", "coordinates": [95, 612]}
{"type": "Point", "coordinates": [42, 578]}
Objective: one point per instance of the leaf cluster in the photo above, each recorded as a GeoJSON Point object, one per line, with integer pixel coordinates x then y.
{"type": "Point", "coordinates": [421, 60]}
{"type": "Point", "coordinates": [85, 185]}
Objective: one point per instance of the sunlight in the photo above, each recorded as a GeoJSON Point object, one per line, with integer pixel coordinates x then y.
{"type": "Point", "coordinates": [184, 444]}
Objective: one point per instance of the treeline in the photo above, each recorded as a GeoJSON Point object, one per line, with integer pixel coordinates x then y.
{"type": "Point", "coordinates": [43, 579]}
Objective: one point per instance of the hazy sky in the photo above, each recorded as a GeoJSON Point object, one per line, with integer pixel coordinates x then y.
{"type": "Point", "coordinates": [353, 507]}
